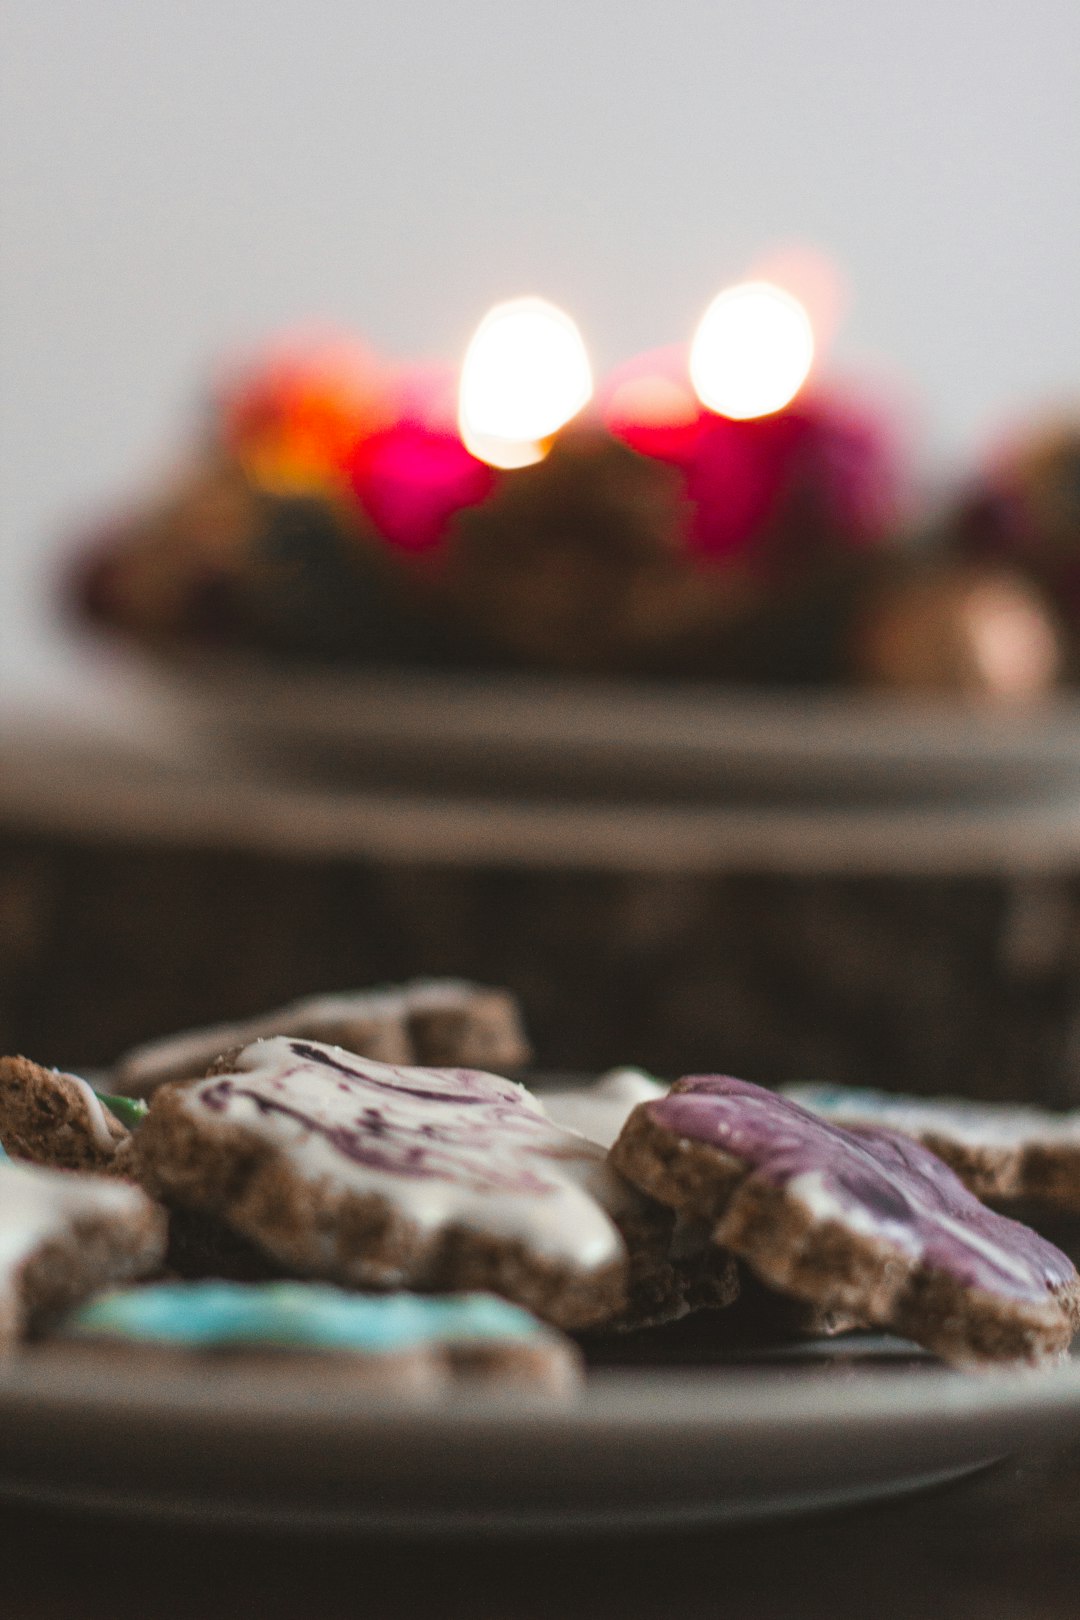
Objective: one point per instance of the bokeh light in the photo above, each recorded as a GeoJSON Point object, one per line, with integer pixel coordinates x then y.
{"type": "Point", "coordinates": [752, 352]}
{"type": "Point", "coordinates": [526, 374]}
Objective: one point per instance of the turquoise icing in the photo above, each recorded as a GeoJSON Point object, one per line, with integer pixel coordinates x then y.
{"type": "Point", "coordinates": [813, 1094]}
{"type": "Point", "coordinates": [3, 1155]}
{"type": "Point", "coordinates": [311, 1315]}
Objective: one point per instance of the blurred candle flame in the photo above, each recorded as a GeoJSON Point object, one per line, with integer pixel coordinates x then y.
{"type": "Point", "coordinates": [752, 351]}
{"type": "Point", "coordinates": [526, 374]}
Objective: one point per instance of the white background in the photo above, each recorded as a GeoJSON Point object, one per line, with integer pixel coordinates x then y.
{"type": "Point", "coordinates": [178, 175]}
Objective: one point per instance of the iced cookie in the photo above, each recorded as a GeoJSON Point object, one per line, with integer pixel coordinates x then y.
{"type": "Point", "coordinates": [437, 1022]}
{"type": "Point", "coordinates": [1000, 1152]}
{"type": "Point", "coordinates": [396, 1341]}
{"type": "Point", "coordinates": [63, 1235]}
{"type": "Point", "coordinates": [54, 1118]}
{"type": "Point", "coordinates": [867, 1223]}
{"type": "Point", "coordinates": [600, 1110]}
{"type": "Point", "coordinates": [380, 1176]}
{"type": "Point", "coordinates": [470, 1026]}
{"type": "Point", "coordinates": [701, 1276]}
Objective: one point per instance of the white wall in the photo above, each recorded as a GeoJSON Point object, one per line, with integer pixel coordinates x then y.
{"type": "Point", "coordinates": [178, 174]}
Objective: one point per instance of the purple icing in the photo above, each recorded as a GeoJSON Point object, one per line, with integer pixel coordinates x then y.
{"type": "Point", "coordinates": [313, 1054]}
{"type": "Point", "coordinates": [463, 1150]}
{"type": "Point", "coordinates": [876, 1179]}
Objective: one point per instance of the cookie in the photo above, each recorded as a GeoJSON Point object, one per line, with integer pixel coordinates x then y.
{"type": "Point", "coordinates": [56, 1119]}
{"type": "Point", "coordinates": [452, 1024]}
{"type": "Point", "coordinates": [700, 1275]}
{"type": "Point", "coordinates": [63, 1235]}
{"type": "Point", "coordinates": [600, 1110]}
{"type": "Point", "coordinates": [387, 1177]}
{"type": "Point", "coordinates": [392, 1341]}
{"type": "Point", "coordinates": [870, 1223]}
{"type": "Point", "coordinates": [1000, 1152]}
{"type": "Point", "coordinates": [436, 1022]}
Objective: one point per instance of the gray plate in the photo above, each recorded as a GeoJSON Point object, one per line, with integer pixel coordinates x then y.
{"type": "Point", "coordinates": [638, 1446]}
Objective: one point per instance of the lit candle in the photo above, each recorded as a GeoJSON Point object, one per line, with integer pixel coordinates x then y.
{"type": "Point", "coordinates": [755, 447]}
{"type": "Point", "coordinates": [526, 374]}
{"type": "Point", "coordinates": [750, 356]}
{"type": "Point", "coordinates": [752, 351]}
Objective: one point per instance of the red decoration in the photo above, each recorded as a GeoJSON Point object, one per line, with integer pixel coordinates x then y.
{"type": "Point", "coordinates": [413, 476]}
{"type": "Point", "coordinates": [821, 460]}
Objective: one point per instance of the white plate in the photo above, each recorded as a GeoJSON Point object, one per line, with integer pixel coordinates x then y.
{"type": "Point", "coordinates": [636, 1447]}
{"type": "Point", "coordinates": [607, 738]}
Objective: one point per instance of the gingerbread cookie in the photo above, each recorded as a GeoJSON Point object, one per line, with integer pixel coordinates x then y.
{"type": "Point", "coordinates": [600, 1110]}
{"type": "Point", "coordinates": [396, 1341]}
{"type": "Point", "coordinates": [1000, 1152]}
{"type": "Point", "coordinates": [381, 1176]}
{"type": "Point", "coordinates": [436, 1022]}
{"type": "Point", "coordinates": [452, 1024]}
{"type": "Point", "coordinates": [700, 1276]}
{"type": "Point", "coordinates": [63, 1235]}
{"type": "Point", "coordinates": [54, 1118]}
{"type": "Point", "coordinates": [867, 1223]}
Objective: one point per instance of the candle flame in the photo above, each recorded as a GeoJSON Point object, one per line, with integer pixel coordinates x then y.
{"type": "Point", "coordinates": [752, 352]}
{"type": "Point", "coordinates": [525, 375]}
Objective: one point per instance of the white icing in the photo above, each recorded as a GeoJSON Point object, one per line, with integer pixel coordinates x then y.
{"type": "Point", "coordinates": [37, 1205]}
{"type": "Point", "coordinates": [431, 994]}
{"type": "Point", "coordinates": [191, 1052]}
{"type": "Point", "coordinates": [600, 1111]}
{"type": "Point", "coordinates": [813, 1191]}
{"type": "Point", "coordinates": [488, 1156]}
{"type": "Point", "coordinates": [95, 1115]}
{"type": "Point", "coordinates": [323, 1017]}
{"type": "Point", "coordinates": [992, 1251]}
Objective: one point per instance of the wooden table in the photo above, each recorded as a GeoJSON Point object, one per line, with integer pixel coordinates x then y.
{"type": "Point", "coordinates": [1003, 1546]}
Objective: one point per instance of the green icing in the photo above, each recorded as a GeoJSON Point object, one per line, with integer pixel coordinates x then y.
{"type": "Point", "coordinates": [130, 1111]}
{"type": "Point", "coordinates": [314, 1315]}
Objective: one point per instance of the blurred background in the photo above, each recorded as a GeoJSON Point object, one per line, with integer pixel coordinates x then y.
{"type": "Point", "coordinates": [816, 883]}
{"type": "Point", "coordinates": [179, 180]}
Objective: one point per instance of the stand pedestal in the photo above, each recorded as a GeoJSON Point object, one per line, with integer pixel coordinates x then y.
{"type": "Point", "coordinates": [159, 879]}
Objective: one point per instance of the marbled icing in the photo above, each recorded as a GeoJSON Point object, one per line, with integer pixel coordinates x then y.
{"type": "Point", "coordinates": [301, 1316]}
{"type": "Point", "coordinates": [878, 1183]}
{"type": "Point", "coordinates": [445, 1145]}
